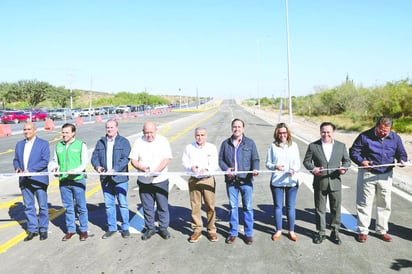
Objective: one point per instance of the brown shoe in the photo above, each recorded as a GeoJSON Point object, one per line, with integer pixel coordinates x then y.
{"type": "Point", "coordinates": [212, 237]}
{"type": "Point", "coordinates": [195, 237]}
{"type": "Point", "coordinates": [83, 236]}
{"type": "Point", "coordinates": [293, 236]}
{"type": "Point", "coordinates": [362, 238]}
{"type": "Point", "coordinates": [386, 237]}
{"type": "Point", "coordinates": [249, 240]}
{"type": "Point", "coordinates": [68, 236]}
{"type": "Point", "coordinates": [230, 239]}
{"type": "Point", "coordinates": [277, 235]}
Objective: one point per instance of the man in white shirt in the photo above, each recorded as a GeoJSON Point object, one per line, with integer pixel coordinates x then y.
{"type": "Point", "coordinates": [200, 158]}
{"type": "Point", "coordinates": [151, 154]}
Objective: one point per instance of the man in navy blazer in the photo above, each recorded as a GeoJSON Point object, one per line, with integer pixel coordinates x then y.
{"type": "Point", "coordinates": [327, 159]}
{"type": "Point", "coordinates": [32, 155]}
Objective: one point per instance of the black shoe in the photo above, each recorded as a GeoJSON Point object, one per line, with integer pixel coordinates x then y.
{"type": "Point", "coordinates": [43, 236]}
{"type": "Point", "coordinates": [30, 236]}
{"type": "Point", "coordinates": [108, 234]}
{"type": "Point", "coordinates": [125, 233]}
{"type": "Point", "coordinates": [164, 234]}
{"type": "Point", "coordinates": [334, 237]}
{"type": "Point", "coordinates": [318, 239]}
{"type": "Point", "coordinates": [148, 234]}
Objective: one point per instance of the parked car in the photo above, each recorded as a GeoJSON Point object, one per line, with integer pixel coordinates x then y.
{"type": "Point", "coordinates": [100, 111]}
{"type": "Point", "coordinates": [122, 109]}
{"type": "Point", "coordinates": [60, 114]}
{"type": "Point", "coordinates": [15, 117]}
{"type": "Point", "coordinates": [110, 110]}
{"type": "Point", "coordinates": [84, 112]}
{"type": "Point", "coordinates": [76, 112]}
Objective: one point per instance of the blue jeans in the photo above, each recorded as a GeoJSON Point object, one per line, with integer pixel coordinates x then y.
{"type": "Point", "coordinates": [278, 194]}
{"type": "Point", "coordinates": [159, 193]}
{"type": "Point", "coordinates": [111, 190]}
{"type": "Point", "coordinates": [245, 190]}
{"type": "Point", "coordinates": [31, 192]}
{"type": "Point", "coordinates": [70, 190]}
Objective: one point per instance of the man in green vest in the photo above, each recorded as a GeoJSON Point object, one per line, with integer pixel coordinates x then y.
{"type": "Point", "coordinates": [71, 159]}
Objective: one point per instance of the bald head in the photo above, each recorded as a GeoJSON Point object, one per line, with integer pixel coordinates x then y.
{"type": "Point", "coordinates": [29, 130]}
{"type": "Point", "coordinates": [149, 131]}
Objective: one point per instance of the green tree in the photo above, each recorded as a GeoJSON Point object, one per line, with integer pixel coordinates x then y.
{"type": "Point", "coordinates": [32, 92]}
{"type": "Point", "coordinates": [59, 96]}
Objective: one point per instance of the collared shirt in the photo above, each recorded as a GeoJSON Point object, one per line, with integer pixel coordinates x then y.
{"type": "Point", "coordinates": [151, 154]}
{"type": "Point", "coordinates": [236, 152]}
{"type": "Point", "coordinates": [27, 150]}
{"type": "Point", "coordinates": [109, 152]}
{"type": "Point", "coordinates": [327, 150]}
{"type": "Point", "coordinates": [369, 147]}
{"type": "Point", "coordinates": [204, 157]}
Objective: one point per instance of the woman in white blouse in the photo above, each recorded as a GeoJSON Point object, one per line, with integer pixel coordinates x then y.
{"type": "Point", "coordinates": [283, 158]}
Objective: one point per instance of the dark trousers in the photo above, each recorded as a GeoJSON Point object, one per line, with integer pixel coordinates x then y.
{"type": "Point", "coordinates": [149, 195]}
{"type": "Point", "coordinates": [335, 199]}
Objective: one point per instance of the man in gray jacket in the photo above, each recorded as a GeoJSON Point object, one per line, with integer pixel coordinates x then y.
{"type": "Point", "coordinates": [327, 159]}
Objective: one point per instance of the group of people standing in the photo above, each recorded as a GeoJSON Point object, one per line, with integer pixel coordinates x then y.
{"type": "Point", "coordinates": [374, 151]}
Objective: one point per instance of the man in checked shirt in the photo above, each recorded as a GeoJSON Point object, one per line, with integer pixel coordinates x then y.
{"type": "Point", "coordinates": [200, 158]}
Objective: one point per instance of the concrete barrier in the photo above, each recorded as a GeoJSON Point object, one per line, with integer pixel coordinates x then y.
{"type": "Point", "coordinates": [5, 130]}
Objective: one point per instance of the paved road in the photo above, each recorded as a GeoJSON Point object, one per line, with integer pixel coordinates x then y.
{"type": "Point", "coordinates": [177, 255]}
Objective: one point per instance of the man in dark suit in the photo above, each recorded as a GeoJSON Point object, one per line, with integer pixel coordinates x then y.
{"type": "Point", "coordinates": [32, 155]}
{"type": "Point", "coordinates": [327, 159]}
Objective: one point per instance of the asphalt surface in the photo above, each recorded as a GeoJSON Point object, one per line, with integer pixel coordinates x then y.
{"type": "Point", "coordinates": [177, 255]}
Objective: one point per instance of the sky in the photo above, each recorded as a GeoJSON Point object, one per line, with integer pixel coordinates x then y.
{"type": "Point", "coordinates": [220, 48]}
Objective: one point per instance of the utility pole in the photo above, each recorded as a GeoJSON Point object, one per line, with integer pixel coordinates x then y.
{"type": "Point", "coordinates": [288, 51]}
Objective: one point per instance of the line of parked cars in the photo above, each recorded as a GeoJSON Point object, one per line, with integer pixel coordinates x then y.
{"type": "Point", "coordinates": [18, 116]}
{"type": "Point", "coordinates": [35, 115]}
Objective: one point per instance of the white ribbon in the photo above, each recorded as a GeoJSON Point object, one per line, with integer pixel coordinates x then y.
{"type": "Point", "coordinates": [188, 174]}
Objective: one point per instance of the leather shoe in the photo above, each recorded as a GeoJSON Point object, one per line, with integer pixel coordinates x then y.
{"type": "Point", "coordinates": [108, 234]}
{"type": "Point", "coordinates": [148, 234]}
{"type": "Point", "coordinates": [292, 236]}
{"type": "Point", "coordinates": [212, 237]}
{"type": "Point", "coordinates": [386, 237]}
{"type": "Point", "coordinates": [164, 234]}
{"type": "Point", "coordinates": [277, 235]}
{"type": "Point", "coordinates": [249, 240]}
{"type": "Point", "coordinates": [30, 236]}
{"type": "Point", "coordinates": [83, 236]}
{"type": "Point", "coordinates": [125, 234]}
{"type": "Point", "coordinates": [334, 236]}
{"type": "Point", "coordinates": [230, 239]}
{"type": "Point", "coordinates": [318, 239]}
{"type": "Point", "coordinates": [43, 236]}
{"type": "Point", "coordinates": [195, 237]}
{"type": "Point", "coordinates": [68, 236]}
{"type": "Point", "coordinates": [362, 238]}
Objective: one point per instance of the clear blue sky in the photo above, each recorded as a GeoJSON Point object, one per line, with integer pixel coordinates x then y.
{"type": "Point", "coordinates": [221, 48]}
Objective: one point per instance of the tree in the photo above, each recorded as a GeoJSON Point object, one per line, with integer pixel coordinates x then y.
{"type": "Point", "coordinates": [5, 93]}
{"type": "Point", "coordinates": [60, 96]}
{"type": "Point", "coordinates": [30, 91]}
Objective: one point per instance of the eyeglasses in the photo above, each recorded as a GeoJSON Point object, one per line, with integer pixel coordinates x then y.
{"type": "Point", "coordinates": [282, 132]}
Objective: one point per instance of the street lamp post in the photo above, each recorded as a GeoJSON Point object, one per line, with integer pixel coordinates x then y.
{"type": "Point", "coordinates": [288, 52]}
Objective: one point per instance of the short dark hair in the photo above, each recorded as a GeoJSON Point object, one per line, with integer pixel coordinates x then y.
{"type": "Point", "coordinates": [237, 119]}
{"type": "Point", "coordinates": [386, 121]}
{"type": "Point", "coordinates": [327, 124]}
{"type": "Point", "coordinates": [73, 127]}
